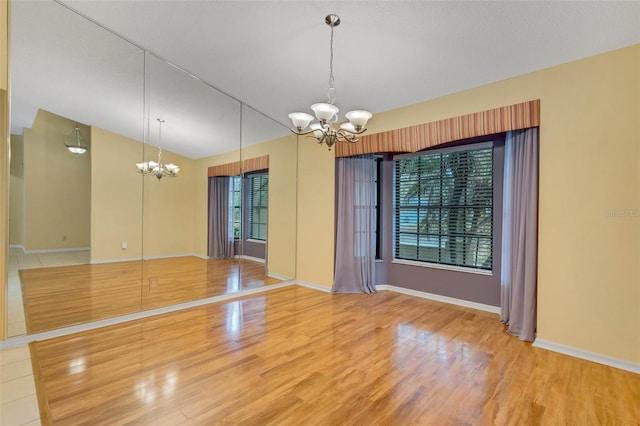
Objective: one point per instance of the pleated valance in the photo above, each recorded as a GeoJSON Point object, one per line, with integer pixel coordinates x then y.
{"type": "Point", "coordinates": [422, 136]}
{"type": "Point", "coordinates": [257, 163]}
{"type": "Point", "coordinates": [234, 169]}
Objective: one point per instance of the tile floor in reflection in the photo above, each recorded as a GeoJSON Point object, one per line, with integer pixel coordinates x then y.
{"type": "Point", "coordinates": [19, 260]}
{"type": "Point", "coordinates": [18, 399]}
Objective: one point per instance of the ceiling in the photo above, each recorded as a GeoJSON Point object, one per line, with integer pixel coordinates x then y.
{"type": "Point", "coordinates": [274, 57]}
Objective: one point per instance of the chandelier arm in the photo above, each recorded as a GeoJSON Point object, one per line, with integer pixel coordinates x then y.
{"type": "Point", "coordinates": [345, 136]}
{"type": "Point", "coordinates": [354, 132]}
{"type": "Point", "coordinates": [302, 133]}
{"type": "Point", "coordinates": [319, 139]}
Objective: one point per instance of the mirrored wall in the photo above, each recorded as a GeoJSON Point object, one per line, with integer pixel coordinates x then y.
{"type": "Point", "coordinates": [93, 238]}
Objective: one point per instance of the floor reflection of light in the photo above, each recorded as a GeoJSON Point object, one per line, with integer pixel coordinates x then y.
{"type": "Point", "coordinates": [233, 324]}
{"type": "Point", "coordinates": [146, 389]}
{"type": "Point", "coordinates": [170, 381]}
{"type": "Point", "coordinates": [443, 350]}
{"type": "Point", "coordinates": [406, 331]}
{"type": "Point", "coordinates": [233, 283]}
{"type": "Point", "coordinates": [424, 336]}
{"type": "Point", "coordinates": [77, 365]}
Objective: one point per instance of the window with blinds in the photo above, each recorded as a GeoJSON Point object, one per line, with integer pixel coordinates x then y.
{"type": "Point", "coordinates": [237, 206]}
{"type": "Point", "coordinates": [258, 203]}
{"type": "Point", "coordinates": [444, 206]}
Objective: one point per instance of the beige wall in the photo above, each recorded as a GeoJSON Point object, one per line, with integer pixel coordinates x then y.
{"type": "Point", "coordinates": [57, 186]}
{"type": "Point", "coordinates": [153, 217]}
{"type": "Point", "coordinates": [281, 247]}
{"type": "Point", "coordinates": [116, 197]}
{"type": "Point", "coordinates": [316, 212]}
{"type": "Point", "coordinates": [588, 271]}
{"type": "Point", "coordinates": [16, 192]}
{"type": "Point", "coordinates": [168, 207]}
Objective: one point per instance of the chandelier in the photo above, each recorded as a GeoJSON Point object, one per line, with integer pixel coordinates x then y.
{"type": "Point", "coordinates": [78, 147]}
{"type": "Point", "coordinates": [158, 169]}
{"type": "Point", "coordinates": [327, 113]}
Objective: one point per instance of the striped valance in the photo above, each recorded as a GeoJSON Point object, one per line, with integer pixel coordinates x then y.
{"type": "Point", "coordinates": [257, 163]}
{"type": "Point", "coordinates": [234, 169]}
{"type": "Point", "coordinates": [229, 169]}
{"type": "Point", "coordinates": [422, 136]}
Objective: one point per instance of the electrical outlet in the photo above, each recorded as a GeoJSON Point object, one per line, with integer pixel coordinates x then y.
{"type": "Point", "coordinates": [64, 238]}
{"type": "Point", "coordinates": [124, 245]}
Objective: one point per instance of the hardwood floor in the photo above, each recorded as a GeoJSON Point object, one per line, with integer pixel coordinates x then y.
{"type": "Point", "coordinates": [300, 356]}
{"type": "Point", "coordinates": [61, 296]}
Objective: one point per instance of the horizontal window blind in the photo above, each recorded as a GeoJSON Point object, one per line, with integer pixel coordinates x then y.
{"type": "Point", "coordinates": [237, 207]}
{"type": "Point", "coordinates": [258, 200]}
{"type": "Point", "coordinates": [444, 208]}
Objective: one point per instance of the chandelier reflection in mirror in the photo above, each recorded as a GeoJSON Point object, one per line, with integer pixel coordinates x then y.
{"type": "Point", "coordinates": [327, 113]}
{"type": "Point", "coordinates": [78, 147]}
{"type": "Point", "coordinates": [158, 169]}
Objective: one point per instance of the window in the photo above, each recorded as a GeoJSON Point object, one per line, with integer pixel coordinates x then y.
{"type": "Point", "coordinates": [258, 198]}
{"type": "Point", "coordinates": [377, 179]}
{"type": "Point", "coordinates": [237, 207]}
{"type": "Point", "coordinates": [444, 206]}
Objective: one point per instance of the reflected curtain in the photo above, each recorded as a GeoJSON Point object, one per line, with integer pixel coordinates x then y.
{"type": "Point", "coordinates": [220, 218]}
{"type": "Point", "coordinates": [355, 239]}
{"type": "Point", "coordinates": [520, 233]}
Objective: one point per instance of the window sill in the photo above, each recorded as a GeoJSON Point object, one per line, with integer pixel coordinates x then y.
{"type": "Point", "coordinates": [249, 240]}
{"type": "Point", "coordinates": [444, 267]}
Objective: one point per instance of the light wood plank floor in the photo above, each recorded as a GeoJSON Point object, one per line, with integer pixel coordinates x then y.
{"type": "Point", "coordinates": [66, 295]}
{"type": "Point", "coordinates": [17, 260]}
{"type": "Point", "coordinates": [299, 356]}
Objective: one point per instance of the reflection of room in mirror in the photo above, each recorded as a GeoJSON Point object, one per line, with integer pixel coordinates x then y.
{"type": "Point", "coordinates": [18, 260]}
{"type": "Point", "coordinates": [92, 239]}
{"type": "Point", "coordinates": [61, 296]}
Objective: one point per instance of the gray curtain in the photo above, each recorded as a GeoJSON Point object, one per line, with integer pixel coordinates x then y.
{"type": "Point", "coordinates": [220, 218]}
{"type": "Point", "coordinates": [355, 239]}
{"type": "Point", "coordinates": [520, 234]}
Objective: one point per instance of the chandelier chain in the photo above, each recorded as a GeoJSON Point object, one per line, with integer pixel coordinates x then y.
{"type": "Point", "coordinates": [325, 130]}
{"type": "Point", "coordinates": [331, 93]}
{"type": "Point", "coordinates": [160, 121]}
{"type": "Point", "coordinates": [160, 132]}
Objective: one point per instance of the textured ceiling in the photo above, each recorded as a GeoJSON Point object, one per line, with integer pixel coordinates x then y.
{"type": "Point", "coordinates": [274, 56]}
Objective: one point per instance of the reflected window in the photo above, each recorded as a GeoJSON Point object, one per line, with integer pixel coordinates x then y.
{"type": "Point", "coordinates": [258, 205]}
{"type": "Point", "coordinates": [237, 207]}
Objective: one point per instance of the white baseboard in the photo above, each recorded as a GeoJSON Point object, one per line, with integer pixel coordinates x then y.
{"type": "Point", "coordinates": [439, 298]}
{"type": "Point", "coordinates": [56, 250]}
{"type": "Point", "coordinates": [279, 277]}
{"type": "Point", "coordinates": [19, 246]}
{"type": "Point", "coordinates": [162, 256]}
{"type": "Point", "coordinates": [168, 256]}
{"type": "Point", "coordinates": [125, 259]}
{"type": "Point", "coordinates": [589, 356]}
{"type": "Point", "coordinates": [313, 286]}
{"type": "Point", "coordinates": [250, 258]}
